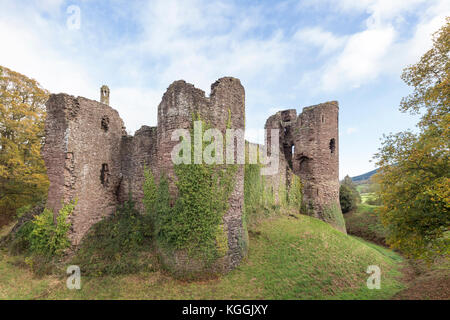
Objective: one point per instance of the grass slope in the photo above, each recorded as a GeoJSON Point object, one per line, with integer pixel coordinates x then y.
{"type": "Point", "coordinates": [290, 258]}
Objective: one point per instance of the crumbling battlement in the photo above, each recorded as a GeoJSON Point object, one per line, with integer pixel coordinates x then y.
{"type": "Point", "coordinates": [309, 148]}
{"type": "Point", "coordinates": [82, 155]}
{"type": "Point", "coordinates": [226, 103]}
{"type": "Point", "coordinates": [90, 157]}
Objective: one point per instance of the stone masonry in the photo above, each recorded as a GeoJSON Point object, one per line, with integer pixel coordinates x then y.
{"type": "Point", "coordinates": [176, 110]}
{"type": "Point", "coordinates": [309, 148]}
{"type": "Point", "coordinates": [82, 155]}
{"type": "Point", "coordinates": [90, 157]}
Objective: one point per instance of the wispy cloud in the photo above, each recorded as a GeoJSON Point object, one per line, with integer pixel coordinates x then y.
{"type": "Point", "coordinates": [380, 48]}
{"type": "Point", "coordinates": [287, 55]}
{"type": "Point", "coordinates": [351, 130]}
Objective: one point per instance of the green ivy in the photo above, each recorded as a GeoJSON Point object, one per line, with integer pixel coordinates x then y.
{"type": "Point", "coordinates": [48, 238]}
{"type": "Point", "coordinates": [150, 190]}
{"type": "Point", "coordinates": [259, 195]}
{"type": "Point", "coordinates": [195, 222]}
{"type": "Point", "coordinates": [333, 215]}
{"type": "Point", "coordinates": [295, 193]}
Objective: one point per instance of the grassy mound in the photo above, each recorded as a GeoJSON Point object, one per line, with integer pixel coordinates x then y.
{"type": "Point", "coordinates": [289, 258]}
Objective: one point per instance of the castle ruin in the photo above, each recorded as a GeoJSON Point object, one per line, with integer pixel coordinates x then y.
{"type": "Point", "coordinates": [90, 157]}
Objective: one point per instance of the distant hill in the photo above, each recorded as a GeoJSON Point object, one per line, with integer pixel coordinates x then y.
{"type": "Point", "coordinates": [365, 176]}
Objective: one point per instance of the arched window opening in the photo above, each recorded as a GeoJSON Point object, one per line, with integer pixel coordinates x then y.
{"type": "Point", "coordinates": [333, 145]}
{"type": "Point", "coordinates": [104, 175]}
{"type": "Point", "coordinates": [105, 123]}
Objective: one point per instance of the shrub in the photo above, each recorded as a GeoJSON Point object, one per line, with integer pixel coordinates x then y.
{"type": "Point", "coordinates": [21, 241]}
{"type": "Point", "coordinates": [39, 235]}
{"type": "Point", "coordinates": [46, 237]}
{"type": "Point", "coordinates": [366, 224]}
{"type": "Point", "coordinates": [346, 198]}
{"type": "Point", "coordinates": [374, 201]}
{"type": "Point", "coordinates": [349, 196]}
{"type": "Point", "coordinates": [119, 244]}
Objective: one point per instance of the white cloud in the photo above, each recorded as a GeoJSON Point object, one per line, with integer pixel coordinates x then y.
{"type": "Point", "coordinates": [316, 36]}
{"type": "Point", "coordinates": [351, 130]}
{"type": "Point", "coordinates": [29, 49]}
{"type": "Point", "coordinates": [378, 49]}
{"type": "Point", "coordinates": [138, 104]}
{"type": "Point", "coordinates": [360, 61]}
{"type": "Point", "coordinates": [200, 41]}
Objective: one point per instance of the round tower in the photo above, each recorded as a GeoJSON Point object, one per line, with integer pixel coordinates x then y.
{"type": "Point", "coordinates": [225, 106]}
{"type": "Point", "coordinates": [316, 161]}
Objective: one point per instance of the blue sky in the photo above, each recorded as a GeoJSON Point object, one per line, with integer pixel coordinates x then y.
{"type": "Point", "coordinates": [288, 54]}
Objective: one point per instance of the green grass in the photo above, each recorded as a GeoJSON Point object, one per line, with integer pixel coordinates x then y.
{"type": "Point", "coordinates": [365, 223]}
{"type": "Point", "coordinates": [363, 188]}
{"type": "Point", "coordinates": [289, 258]}
{"type": "Point", "coordinates": [365, 197]}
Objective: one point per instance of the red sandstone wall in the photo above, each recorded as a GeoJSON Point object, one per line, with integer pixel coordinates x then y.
{"type": "Point", "coordinates": [179, 103]}
{"type": "Point", "coordinates": [312, 159]}
{"type": "Point", "coordinates": [84, 136]}
{"type": "Point", "coordinates": [316, 159]}
{"type": "Point", "coordinates": [137, 153]}
{"type": "Point", "coordinates": [76, 150]}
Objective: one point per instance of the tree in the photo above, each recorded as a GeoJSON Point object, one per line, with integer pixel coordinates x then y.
{"type": "Point", "coordinates": [414, 175]}
{"type": "Point", "coordinates": [349, 197]}
{"type": "Point", "coordinates": [23, 178]}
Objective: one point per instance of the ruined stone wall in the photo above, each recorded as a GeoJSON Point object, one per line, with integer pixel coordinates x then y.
{"type": "Point", "coordinates": [285, 122]}
{"type": "Point", "coordinates": [309, 148]}
{"type": "Point", "coordinates": [176, 111]}
{"type": "Point", "coordinates": [137, 153]}
{"type": "Point", "coordinates": [82, 156]}
{"type": "Point", "coordinates": [89, 157]}
{"type": "Point", "coordinates": [316, 161]}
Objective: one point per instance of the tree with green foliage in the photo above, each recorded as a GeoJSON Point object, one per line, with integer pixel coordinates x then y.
{"type": "Point", "coordinates": [43, 236]}
{"type": "Point", "coordinates": [346, 199]}
{"type": "Point", "coordinates": [349, 196]}
{"type": "Point", "coordinates": [23, 179]}
{"type": "Point", "coordinates": [414, 175]}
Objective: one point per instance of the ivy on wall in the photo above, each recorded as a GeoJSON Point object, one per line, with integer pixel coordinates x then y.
{"type": "Point", "coordinates": [260, 196]}
{"type": "Point", "coordinates": [195, 222]}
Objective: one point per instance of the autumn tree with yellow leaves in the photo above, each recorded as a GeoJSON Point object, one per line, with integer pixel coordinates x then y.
{"type": "Point", "coordinates": [414, 173]}
{"type": "Point", "coordinates": [23, 179]}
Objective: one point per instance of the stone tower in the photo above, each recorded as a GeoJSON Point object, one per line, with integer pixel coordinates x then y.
{"type": "Point", "coordinates": [316, 161]}
{"type": "Point", "coordinates": [90, 157]}
{"type": "Point", "coordinates": [82, 155]}
{"type": "Point", "coordinates": [104, 95]}
{"type": "Point", "coordinates": [225, 103]}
